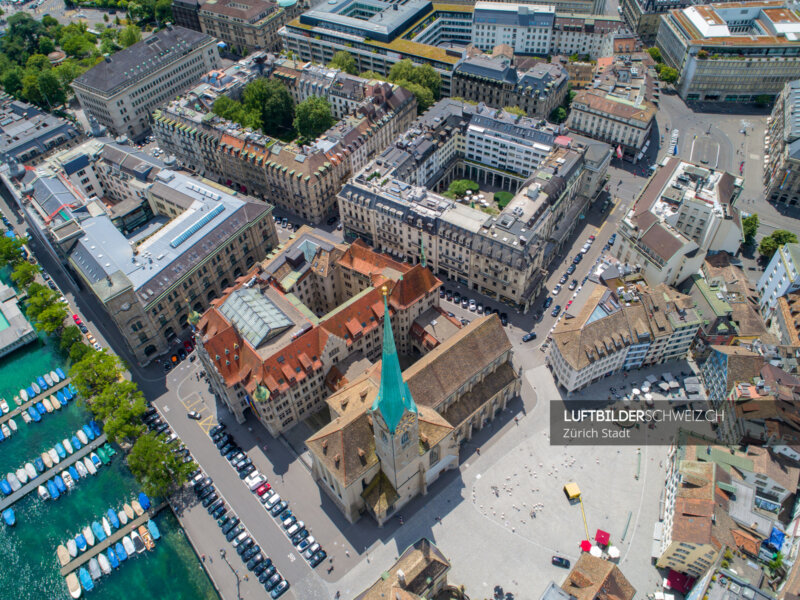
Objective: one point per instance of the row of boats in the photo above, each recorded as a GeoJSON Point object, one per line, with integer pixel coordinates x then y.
{"type": "Point", "coordinates": [31, 470]}
{"type": "Point", "coordinates": [137, 541]}
{"type": "Point", "coordinates": [42, 384]}
{"type": "Point", "coordinates": [55, 402]}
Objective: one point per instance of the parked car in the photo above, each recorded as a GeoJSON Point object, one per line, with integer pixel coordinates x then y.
{"type": "Point", "coordinates": [240, 538]}
{"type": "Point", "coordinates": [242, 547]}
{"type": "Point", "coordinates": [563, 279]}
{"type": "Point", "coordinates": [305, 543]}
{"type": "Point", "coordinates": [292, 529]}
{"type": "Point", "coordinates": [254, 561]}
{"type": "Point", "coordinates": [233, 533]}
{"type": "Point", "coordinates": [585, 247]}
{"type": "Point", "coordinates": [529, 336]}
{"type": "Point", "coordinates": [193, 414]}
{"type": "Point", "coordinates": [279, 590]}
{"type": "Point", "coordinates": [560, 562]}
{"type": "Point", "coordinates": [246, 471]}
{"type": "Point", "coordinates": [556, 310]}
{"type": "Point", "coordinates": [464, 302]}
{"type": "Point", "coordinates": [571, 269]}
{"type": "Point", "coordinates": [311, 550]}
{"type": "Point", "coordinates": [289, 521]}
{"type": "Point", "coordinates": [273, 581]}
{"type": "Point", "coordinates": [272, 500]}
{"type": "Point", "coordinates": [208, 500]}
{"type": "Point", "coordinates": [578, 258]}
{"type": "Point", "coordinates": [504, 318]}
{"type": "Point", "coordinates": [279, 508]}
{"type": "Point", "coordinates": [573, 284]}
{"type": "Point", "coordinates": [473, 305]}
{"type": "Point", "coordinates": [263, 489]}
{"type": "Point", "coordinates": [547, 302]}
{"type": "Point", "coordinates": [216, 429]}
{"type": "Point", "coordinates": [268, 572]}
{"type": "Point", "coordinates": [318, 558]}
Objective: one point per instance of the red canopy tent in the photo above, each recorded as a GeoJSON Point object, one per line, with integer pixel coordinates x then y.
{"type": "Point", "coordinates": [586, 545]}
{"type": "Point", "coordinates": [679, 582]}
{"type": "Point", "coordinates": [602, 537]}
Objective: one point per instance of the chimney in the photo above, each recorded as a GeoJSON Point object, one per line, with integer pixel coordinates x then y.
{"type": "Point", "coordinates": [401, 578]}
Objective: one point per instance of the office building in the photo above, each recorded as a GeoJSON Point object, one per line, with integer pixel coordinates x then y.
{"type": "Point", "coordinates": [246, 26]}
{"type": "Point", "coordinates": [186, 13]}
{"type": "Point", "coordinates": [684, 212]}
{"type": "Point", "coordinates": [390, 205]}
{"type": "Point", "coordinates": [619, 331]}
{"type": "Point", "coordinates": [27, 134]}
{"type": "Point", "coordinates": [644, 16]}
{"type": "Point", "coordinates": [122, 91]}
{"type": "Point", "coordinates": [781, 277]}
{"type": "Point", "coordinates": [732, 52]}
{"type": "Point", "coordinates": [303, 180]}
{"type": "Point", "coordinates": [494, 82]}
{"type": "Point", "coordinates": [782, 148]}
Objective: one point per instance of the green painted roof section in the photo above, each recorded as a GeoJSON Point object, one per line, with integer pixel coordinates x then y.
{"type": "Point", "coordinates": [394, 397]}
{"type": "Point", "coordinates": [719, 306]}
{"type": "Point", "coordinates": [727, 487]}
{"type": "Point", "coordinates": [288, 281]}
{"type": "Point", "coordinates": [306, 312]}
{"type": "Point", "coordinates": [726, 460]}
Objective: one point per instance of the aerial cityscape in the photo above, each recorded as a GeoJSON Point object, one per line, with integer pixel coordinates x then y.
{"type": "Point", "coordinates": [400, 300]}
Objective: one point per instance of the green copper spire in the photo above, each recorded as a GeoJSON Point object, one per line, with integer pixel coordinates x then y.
{"type": "Point", "coordinates": [394, 397]}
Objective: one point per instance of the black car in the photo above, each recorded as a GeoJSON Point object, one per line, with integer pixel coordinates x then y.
{"type": "Point", "coordinates": [570, 269]}
{"type": "Point", "coordinates": [203, 483]}
{"type": "Point", "coordinates": [268, 572]}
{"type": "Point", "coordinates": [206, 492]}
{"type": "Point", "coordinates": [246, 471]}
{"type": "Point", "coordinates": [52, 285]}
{"type": "Point", "coordinates": [83, 328]}
{"type": "Point", "coordinates": [216, 429]}
{"type": "Point", "coordinates": [573, 284]}
{"type": "Point", "coordinates": [167, 366]}
{"type": "Point", "coordinates": [556, 310]}
{"type": "Point", "coordinates": [244, 545]}
{"type": "Point", "coordinates": [222, 521]}
{"type": "Point", "coordinates": [254, 562]}
{"type": "Point", "coordinates": [251, 552]}
{"type": "Point", "coordinates": [161, 428]}
{"type": "Point", "coordinates": [149, 413]}
{"type": "Point", "coordinates": [441, 292]}
{"type": "Point", "coordinates": [577, 259]}
{"type": "Point", "coordinates": [529, 336]}
{"type": "Point", "coordinates": [504, 318]}
{"type": "Point", "coordinates": [244, 463]}
{"type": "Point", "coordinates": [213, 507]}
{"type": "Point", "coordinates": [233, 452]}
{"type": "Point", "coordinates": [182, 354]}
{"type": "Point", "coordinates": [560, 562]}
{"type": "Point", "coordinates": [262, 566]}
{"type": "Point", "coordinates": [232, 522]}
{"type": "Point", "coordinates": [220, 511]}
{"type": "Point", "coordinates": [222, 440]}
{"type": "Point", "coordinates": [233, 533]}
{"type": "Point", "coordinates": [317, 558]}
{"type": "Point", "coordinates": [209, 499]}
{"type": "Point", "coordinates": [273, 581]}
{"type": "Point", "coordinates": [547, 302]}
{"type": "Point", "coordinates": [227, 448]}
{"type": "Point", "coordinates": [302, 534]}
{"type": "Point", "coordinates": [279, 508]}
{"type": "Point", "coordinates": [563, 279]}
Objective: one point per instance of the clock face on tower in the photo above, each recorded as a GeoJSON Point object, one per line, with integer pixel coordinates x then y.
{"type": "Point", "coordinates": [405, 423]}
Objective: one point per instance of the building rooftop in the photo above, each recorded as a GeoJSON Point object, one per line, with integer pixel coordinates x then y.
{"type": "Point", "coordinates": [26, 131]}
{"type": "Point", "coordinates": [141, 60]}
{"type": "Point", "coordinates": [247, 11]}
{"type": "Point", "coordinates": [594, 578]}
{"type": "Point", "coordinates": [520, 15]}
{"type": "Point", "coordinates": [377, 19]}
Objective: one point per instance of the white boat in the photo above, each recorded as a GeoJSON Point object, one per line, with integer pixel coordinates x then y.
{"type": "Point", "coordinates": [43, 493]}
{"type": "Point", "coordinates": [18, 400]}
{"type": "Point", "coordinates": [6, 431]}
{"type": "Point", "coordinates": [31, 471]}
{"type": "Point", "coordinates": [25, 417]}
{"type": "Point", "coordinates": [127, 543]}
{"type": "Point", "coordinates": [68, 480]}
{"type": "Point", "coordinates": [81, 469]}
{"type": "Point", "coordinates": [123, 518]}
{"type": "Point", "coordinates": [137, 508]}
{"type": "Point", "coordinates": [54, 456]}
{"type": "Point", "coordinates": [87, 533]}
{"type": "Point", "coordinates": [63, 554]}
{"type": "Point", "coordinates": [89, 466]}
{"type": "Point", "coordinates": [74, 586]}
{"type": "Point", "coordinates": [72, 547]}
{"type": "Point", "coordinates": [3, 405]}
{"type": "Point", "coordinates": [105, 566]}
{"type": "Point", "coordinates": [94, 569]}
{"type": "Point", "coordinates": [47, 406]}
{"type": "Point", "coordinates": [48, 380]}
{"type": "Point", "coordinates": [13, 482]}
{"type": "Point", "coordinates": [137, 542]}
{"type": "Point", "coordinates": [24, 395]}
{"type": "Point", "coordinates": [12, 424]}
{"type": "Point", "coordinates": [22, 476]}
{"type": "Point", "coordinates": [36, 389]}
{"type": "Point", "coordinates": [82, 437]}
{"type": "Point", "coordinates": [128, 511]}
{"type": "Point", "coordinates": [67, 446]}
{"type": "Point", "coordinates": [54, 403]}
{"type": "Point", "coordinates": [54, 377]}
{"type": "Point", "coordinates": [106, 526]}
{"type": "Point", "coordinates": [48, 462]}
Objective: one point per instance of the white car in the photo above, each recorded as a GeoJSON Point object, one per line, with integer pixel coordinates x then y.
{"type": "Point", "coordinates": [295, 528]}
{"type": "Point", "coordinates": [239, 539]}
{"type": "Point", "coordinates": [585, 248]}
{"type": "Point", "coordinates": [97, 346]}
{"type": "Point", "coordinates": [473, 305]}
{"type": "Point", "coordinates": [556, 289]}
{"type": "Point", "coordinates": [255, 480]}
{"type": "Point", "coordinates": [311, 550]}
{"type": "Point", "coordinates": [272, 501]}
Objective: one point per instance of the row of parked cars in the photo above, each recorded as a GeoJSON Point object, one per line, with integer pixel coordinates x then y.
{"type": "Point", "coordinates": [471, 305]}
{"type": "Point", "coordinates": [155, 423]}
{"type": "Point", "coordinates": [254, 558]}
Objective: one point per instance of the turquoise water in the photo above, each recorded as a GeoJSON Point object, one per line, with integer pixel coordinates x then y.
{"type": "Point", "coordinates": [30, 569]}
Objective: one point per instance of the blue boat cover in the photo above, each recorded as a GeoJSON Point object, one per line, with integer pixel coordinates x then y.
{"type": "Point", "coordinates": [74, 473]}
{"type": "Point", "coordinates": [86, 579]}
{"type": "Point", "coordinates": [39, 464]}
{"type": "Point", "coordinates": [121, 554]}
{"type": "Point", "coordinates": [112, 558]}
{"type": "Point", "coordinates": [34, 414]}
{"type": "Point", "coordinates": [61, 398]}
{"type": "Point", "coordinates": [80, 542]}
{"type": "Point", "coordinates": [62, 487]}
{"type": "Point", "coordinates": [31, 393]}
{"type": "Point", "coordinates": [42, 383]}
{"type": "Point", "coordinates": [8, 516]}
{"type": "Point", "coordinates": [40, 407]}
{"type": "Point", "coordinates": [51, 487]}
{"type": "Point", "coordinates": [76, 443]}
{"type": "Point", "coordinates": [88, 431]}
{"type": "Point", "coordinates": [5, 487]}
{"type": "Point", "coordinates": [153, 528]}
{"type": "Point", "coordinates": [144, 501]}
{"type": "Point", "coordinates": [98, 431]}
{"type": "Point", "coordinates": [112, 518]}
{"type": "Point", "coordinates": [97, 529]}
{"type": "Point", "coordinates": [60, 373]}
{"type": "Point", "coordinates": [60, 450]}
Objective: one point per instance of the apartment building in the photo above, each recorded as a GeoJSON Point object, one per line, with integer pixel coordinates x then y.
{"type": "Point", "coordinates": [390, 205]}
{"type": "Point", "coordinates": [619, 331]}
{"type": "Point", "coordinates": [782, 148]}
{"type": "Point", "coordinates": [246, 25]}
{"type": "Point", "coordinates": [592, 577]}
{"type": "Point", "coordinates": [122, 91]}
{"type": "Point", "coordinates": [589, 36]}
{"type": "Point", "coordinates": [724, 367]}
{"type": "Point", "coordinates": [785, 324]}
{"type": "Point", "coordinates": [684, 212]}
{"type": "Point", "coordinates": [151, 280]}
{"type": "Point", "coordinates": [644, 16]}
{"type": "Point", "coordinates": [301, 179]}
{"type": "Point", "coordinates": [494, 82]}
{"type": "Point", "coordinates": [268, 351]}
{"type": "Point", "coordinates": [781, 277]}
{"type": "Point", "coordinates": [27, 134]}
{"type": "Point", "coordinates": [732, 52]}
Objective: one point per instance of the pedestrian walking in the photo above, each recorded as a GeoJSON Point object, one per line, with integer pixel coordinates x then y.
{"type": "Point", "coordinates": [478, 450]}
{"type": "Point", "coordinates": [203, 556]}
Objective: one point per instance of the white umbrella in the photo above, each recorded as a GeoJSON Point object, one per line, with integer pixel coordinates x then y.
{"type": "Point", "coordinates": [595, 551]}
{"type": "Point", "coordinates": [648, 398]}
{"type": "Point", "coordinates": [613, 552]}
{"type": "Point", "coordinates": [635, 391]}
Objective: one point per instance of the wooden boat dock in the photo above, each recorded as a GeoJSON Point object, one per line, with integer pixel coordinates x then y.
{"type": "Point", "coordinates": [25, 405]}
{"type": "Point", "coordinates": [115, 537]}
{"type": "Point", "coordinates": [56, 470]}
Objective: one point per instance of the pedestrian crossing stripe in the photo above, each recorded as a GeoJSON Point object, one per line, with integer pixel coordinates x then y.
{"type": "Point", "coordinates": [207, 423]}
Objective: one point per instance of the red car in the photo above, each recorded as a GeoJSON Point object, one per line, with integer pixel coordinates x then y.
{"type": "Point", "coordinates": [188, 346]}
{"type": "Point", "coordinates": [568, 305]}
{"type": "Point", "coordinates": [263, 489]}
{"type": "Point", "coordinates": [77, 319]}
{"type": "Point", "coordinates": [591, 237]}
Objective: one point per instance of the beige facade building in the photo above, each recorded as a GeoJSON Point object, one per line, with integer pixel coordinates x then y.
{"type": "Point", "coordinates": [782, 144]}
{"type": "Point", "coordinates": [246, 25]}
{"type": "Point", "coordinates": [122, 91]}
{"type": "Point", "coordinates": [301, 179]}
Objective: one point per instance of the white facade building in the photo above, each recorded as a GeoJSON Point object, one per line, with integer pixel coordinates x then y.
{"type": "Point", "coordinates": [781, 277]}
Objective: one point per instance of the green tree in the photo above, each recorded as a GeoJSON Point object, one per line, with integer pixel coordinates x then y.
{"type": "Point", "coordinates": [95, 372]}
{"type": "Point", "coordinates": [460, 187]}
{"type": "Point", "coordinates": [273, 102]}
{"type": "Point", "coordinates": [12, 81]}
{"type": "Point", "coordinates": [777, 562]}
{"type": "Point", "coordinates": [129, 36]}
{"type": "Point", "coordinates": [559, 114]}
{"type": "Point", "coordinates": [402, 70]}
{"type": "Point", "coordinates": [655, 54]}
{"type": "Point", "coordinates": [163, 11]}
{"type": "Point", "coordinates": [750, 228]}
{"type": "Point", "coordinates": [423, 75]}
{"type": "Point", "coordinates": [30, 88]}
{"type": "Point", "coordinates": [46, 45]}
{"type": "Point", "coordinates": [10, 250]}
{"type": "Point", "coordinates": [24, 273]}
{"type": "Point", "coordinates": [120, 405]}
{"type": "Point", "coordinates": [770, 244]}
{"type": "Point", "coordinates": [313, 117]}
{"type": "Point", "coordinates": [76, 44]}
{"type": "Point", "coordinates": [78, 351]}
{"type": "Point", "coordinates": [51, 89]}
{"type": "Point", "coordinates": [423, 95]}
{"type": "Point", "coordinates": [50, 319]}
{"type": "Point", "coordinates": [516, 110]}
{"type": "Point", "coordinates": [344, 61]}
{"type": "Point", "coordinates": [373, 75]}
{"type": "Point", "coordinates": [69, 336]}
{"type": "Point", "coordinates": [158, 469]}
{"type": "Point", "coordinates": [668, 74]}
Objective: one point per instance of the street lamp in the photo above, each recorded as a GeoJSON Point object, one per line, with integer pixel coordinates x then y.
{"type": "Point", "coordinates": [235, 572]}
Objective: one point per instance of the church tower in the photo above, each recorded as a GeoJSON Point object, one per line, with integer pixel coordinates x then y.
{"type": "Point", "coordinates": [395, 422]}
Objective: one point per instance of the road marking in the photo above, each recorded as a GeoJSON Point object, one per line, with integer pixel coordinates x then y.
{"type": "Point", "coordinates": [207, 423]}
{"type": "Point", "coordinates": [166, 408]}
{"type": "Point", "coordinates": [292, 557]}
